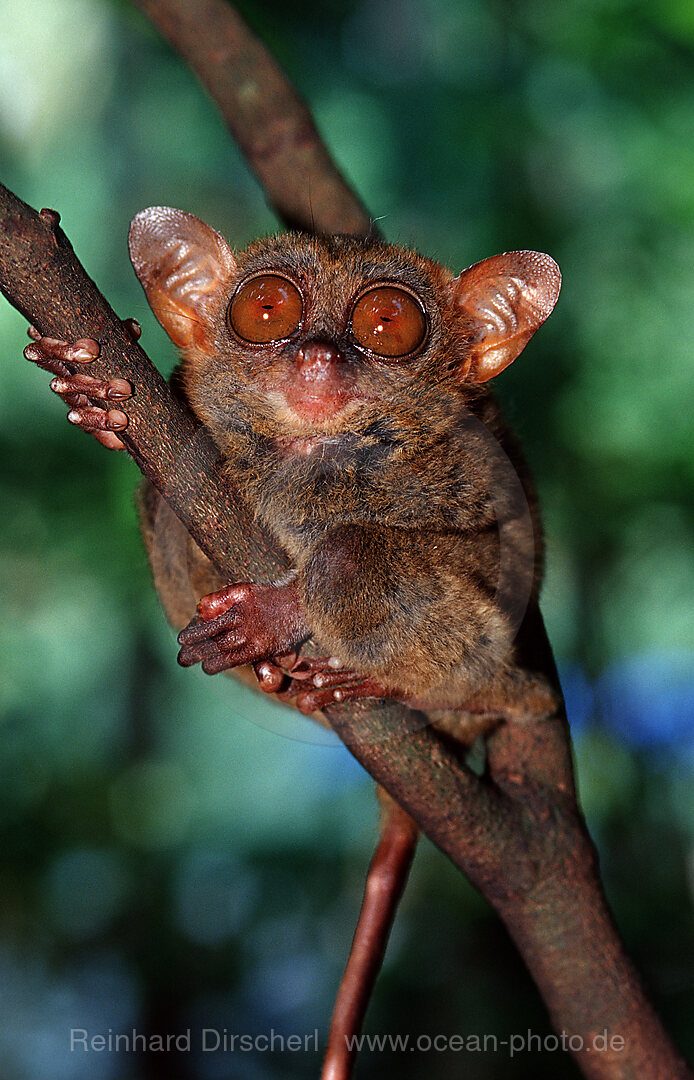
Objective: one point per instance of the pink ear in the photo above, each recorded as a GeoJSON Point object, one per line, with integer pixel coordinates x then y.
{"type": "Point", "coordinates": [507, 297]}
{"type": "Point", "coordinates": [182, 264]}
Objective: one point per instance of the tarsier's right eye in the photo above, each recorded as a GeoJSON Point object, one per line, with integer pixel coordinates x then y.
{"type": "Point", "coordinates": [266, 308]}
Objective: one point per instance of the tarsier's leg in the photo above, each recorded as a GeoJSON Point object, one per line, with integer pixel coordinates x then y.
{"type": "Point", "coordinates": [385, 882]}
{"type": "Point", "coordinates": [264, 625]}
{"type": "Point", "coordinates": [79, 390]}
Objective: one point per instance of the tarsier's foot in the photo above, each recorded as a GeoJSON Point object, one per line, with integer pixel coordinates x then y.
{"type": "Point", "coordinates": [243, 624]}
{"type": "Point", "coordinates": [316, 682]}
{"type": "Point", "coordinates": [76, 388]}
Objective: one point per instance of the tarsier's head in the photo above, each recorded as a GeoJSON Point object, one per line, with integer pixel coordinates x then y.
{"type": "Point", "coordinates": [309, 339]}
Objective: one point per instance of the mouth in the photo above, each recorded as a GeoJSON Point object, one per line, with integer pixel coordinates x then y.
{"type": "Point", "coordinates": [379, 435]}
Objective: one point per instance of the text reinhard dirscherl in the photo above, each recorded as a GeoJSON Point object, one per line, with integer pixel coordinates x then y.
{"type": "Point", "coordinates": [208, 1041]}
{"type": "Point", "coordinates": [211, 1040]}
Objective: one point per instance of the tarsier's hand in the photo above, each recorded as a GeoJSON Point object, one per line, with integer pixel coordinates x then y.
{"type": "Point", "coordinates": [243, 624]}
{"type": "Point", "coordinates": [264, 625]}
{"type": "Point", "coordinates": [78, 390]}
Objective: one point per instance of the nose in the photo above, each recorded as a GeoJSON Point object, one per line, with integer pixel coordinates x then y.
{"type": "Point", "coordinates": [318, 388]}
{"type": "Point", "coordinates": [316, 361]}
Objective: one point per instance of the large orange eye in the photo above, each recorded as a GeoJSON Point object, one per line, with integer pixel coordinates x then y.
{"type": "Point", "coordinates": [388, 321]}
{"type": "Point", "coordinates": [266, 308]}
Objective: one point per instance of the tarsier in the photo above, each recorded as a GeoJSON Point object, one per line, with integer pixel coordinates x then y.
{"type": "Point", "coordinates": [344, 382]}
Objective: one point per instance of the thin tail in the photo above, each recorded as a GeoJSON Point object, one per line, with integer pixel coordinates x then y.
{"type": "Point", "coordinates": [385, 883]}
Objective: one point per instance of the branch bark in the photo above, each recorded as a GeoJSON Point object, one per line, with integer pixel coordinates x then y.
{"type": "Point", "coordinates": [517, 832]}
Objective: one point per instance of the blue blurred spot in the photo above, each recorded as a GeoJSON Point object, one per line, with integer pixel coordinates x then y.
{"type": "Point", "coordinates": [336, 767]}
{"type": "Point", "coordinates": [648, 699]}
{"type": "Point", "coordinates": [213, 895]}
{"type": "Point", "coordinates": [42, 1007]}
{"type": "Point", "coordinates": [578, 695]}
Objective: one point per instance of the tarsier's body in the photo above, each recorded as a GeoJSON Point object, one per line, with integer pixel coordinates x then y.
{"type": "Point", "coordinates": [343, 382]}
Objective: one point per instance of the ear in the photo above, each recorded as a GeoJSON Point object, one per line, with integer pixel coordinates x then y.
{"type": "Point", "coordinates": [507, 298]}
{"type": "Point", "coordinates": [182, 264]}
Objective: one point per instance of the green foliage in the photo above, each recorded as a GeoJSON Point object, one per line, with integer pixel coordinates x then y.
{"type": "Point", "coordinates": [168, 864]}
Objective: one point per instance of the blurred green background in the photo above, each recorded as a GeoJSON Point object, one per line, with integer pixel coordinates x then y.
{"type": "Point", "coordinates": [174, 853]}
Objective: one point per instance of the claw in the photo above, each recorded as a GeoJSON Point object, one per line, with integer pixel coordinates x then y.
{"type": "Point", "coordinates": [325, 680]}
{"type": "Point", "coordinates": [91, 419]}
{"type": "Point", "coordinates": [133, 328]}
{"type": "Point", "coordinates": [216, 604]}
{"type": "Point", "coordinates": [270, 676]}
{"type": "Point", "coordinates": [50, 353]}
{"type": "Point", "coordinates": [307, 667]}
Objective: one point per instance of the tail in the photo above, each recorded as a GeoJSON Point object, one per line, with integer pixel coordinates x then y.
{"type": "Point", "coordinates": [385, 883]}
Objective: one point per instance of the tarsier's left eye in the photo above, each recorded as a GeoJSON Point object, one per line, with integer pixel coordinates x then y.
{"type": "Point", "coordinates": [267, 308]}
{"type": "Point", "coordinates": [388, 321]}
